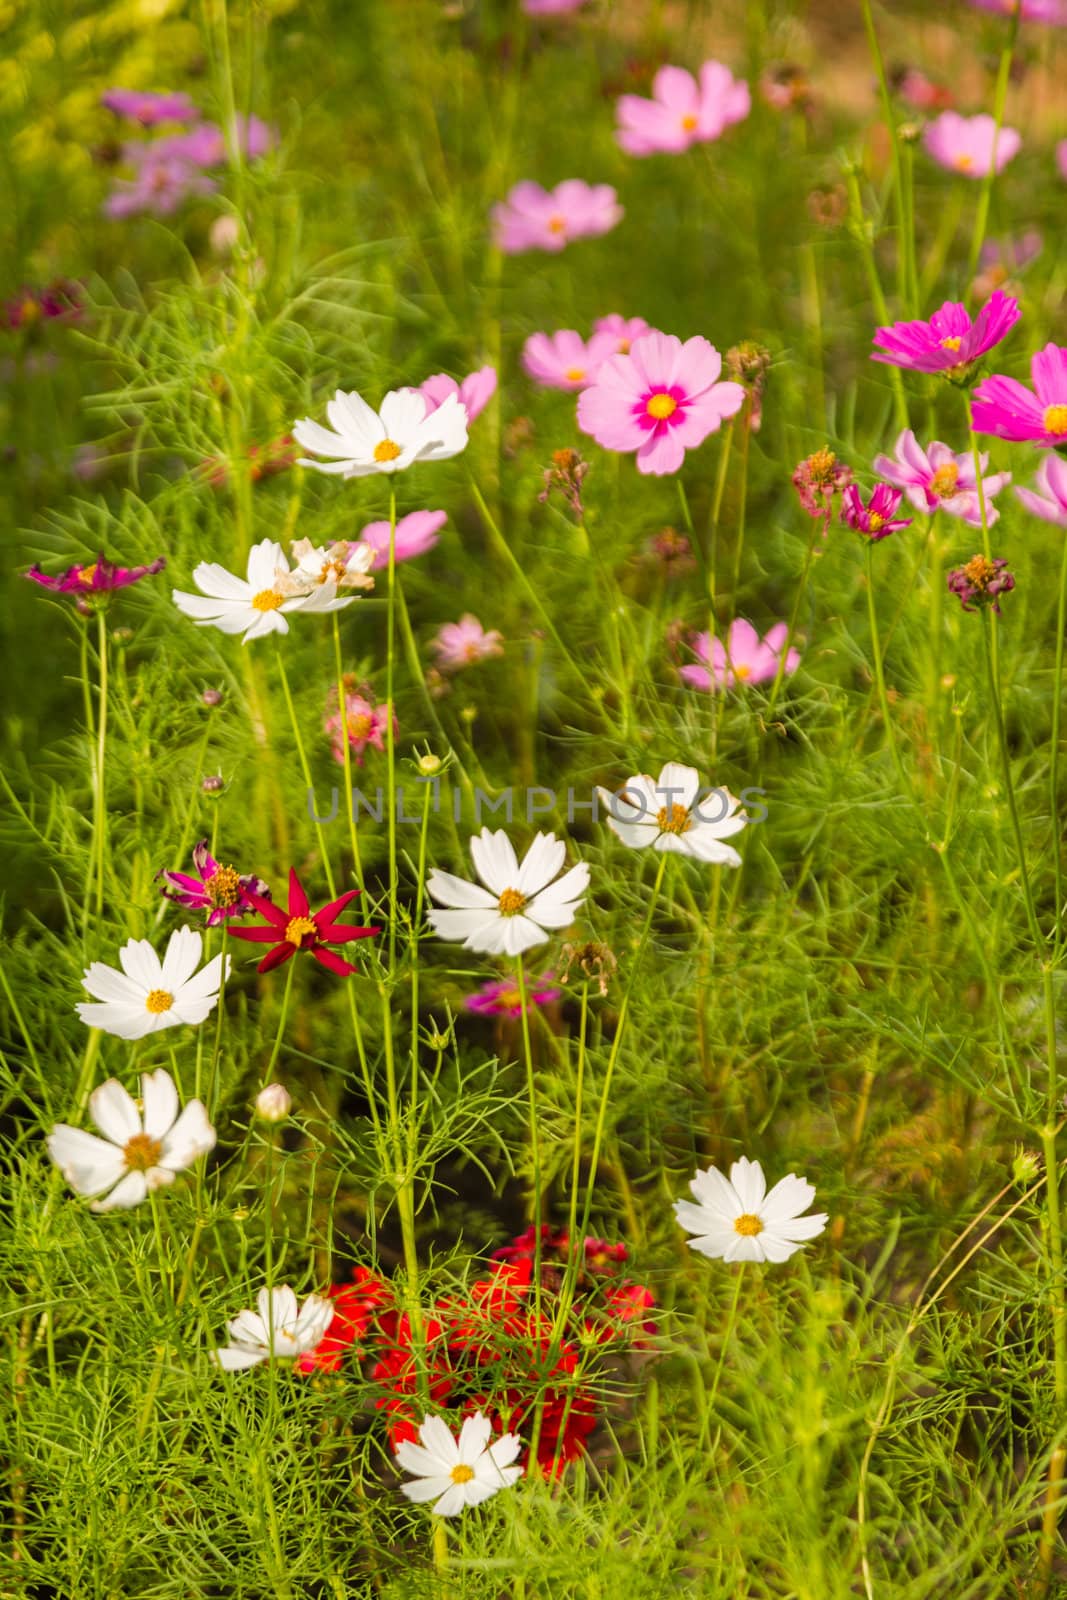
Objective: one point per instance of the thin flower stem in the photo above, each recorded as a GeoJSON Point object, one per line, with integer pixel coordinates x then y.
{"type": "Point", "coordinates": [304, 768]}
{"type": "Point", "coordinates": [390, 735]}
{"type": "Point", "coordinates": [798, 600]}
{"type": "Point", "coordinates": [269, 1074]}
{"type": "Point", "coordinates": [742, 501]}
{"type": "Point", "coordinates": [576, 1165]}
{"type": "Point", "coordinates": [535, 1138]}
{"type": "Point", "coordinates": [724, 1346]}
{"type": "Point", "coordinates": [898, 174]}
{"type": "Point", "coordinates": [859, 230]}
{"type": "Point", "coordinates": [1054, 754]}
{"type": "Point", "coordinates": [99, 806]}
{"type": "Point", "coordinates": [346, 750]}
{"type": "Point", "coordinates": [213, 1074]}
{"type": "Point", "coordinates": [981, 218]}
{"type": "Point", "coordinates": [879, 674]}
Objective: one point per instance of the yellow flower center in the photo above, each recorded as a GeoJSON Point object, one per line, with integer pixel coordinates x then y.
{"type": "Point", "coordinates": [158, 1001]}
{"type": "Point", "coordinates": [979, 570]}
{"type": "Point", "coordinates": [386, 450]}
{"type": "Point", "coordinates": [624, 347]}
{"type": "Point", "coordinates": [267, 600]}
{"type": "Point", "coordinates": [689, 123]}
{"type": "Point", "coordinates": [1055, 419]}
{"type": "Point", "coordinates": [141, 1153]}
{"type": "Point", "coordinates": [359, 726]}
{"type": "Point", "coordinates": [747, 1225]}
{"type": "Point", "coordinates": [743, 671]}
{"type": "Point", "coordinates": [574, 374]}
{"type": "Point", "coordinates": [223, 888]}
{"type": "Point", "coordinates": [511, 903]}
{"type": "Point", "coordinates": [677, 820]}
{"type": "Point", "coordinates": [875, 521]}
{"type": "Point", "coordinates": [87, 575]}
{"type": "Point", "coordinates": [944, 481]}
{"type": "Point", "coordinates": [964, 162]}
{"type": "Point", "coordinates": [661, 406]}
{"type": "Point", "coordinates": [299, 929]}
{"type": "Point", "coordinates": [952, 343]}
{"type": "Point", "coordinates": [29, 311]}
{"type": "Point", "coordinates": [557, 224]}
{"type": "Point", "coordinates": [461, 1473]}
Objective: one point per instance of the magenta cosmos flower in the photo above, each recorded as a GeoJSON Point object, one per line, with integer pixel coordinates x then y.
{"type": "Point", "coordinates": [950, 340]}
{"type": "Point", "coordinates": [935, 479]}
{"type": "Point", "coordinates": [878, 518]}
{"type": "Point", "coordinates": [532, 218]}
{"type": "Point", "coordinates": [61, 301]}
{"type": "Point", "coordinates": [101, 578]}
{"type": "Point", "coordinates": [141, 105]}
{"type": "Point", "coordinates": [661, 400]}
{"type": "Point", "coordinates": [205, 145]}
{"type": "Point", "coordinates": [564, 360]}
{"type": "Point", "coordinates": [623, 330]}
{"type": "Point", "coordinates": [500, 998]}
{"type": "Point", "coordinates": [160, 186]}
{"type": "Point", "coordinates": [683, 111]}
{"type": "Point", "coordinates": [971, 146]}
{"type": "Point", "coordinates": [1053, 11]}
{"type": "Point", "coordinates": [220, 891]}
{"type": "Point", "coordinates": [1049, 500]}
{"type": "Point", "coordinates": [742, 659]}
{"type": "Point", "coordinates": [1005, 408]}
{"type": "Point", "coordinates": [475, 392]}
{"type": "Point", "coordinates": [461, 644]}
{"type": "Point", "coordinates": [415, 534]}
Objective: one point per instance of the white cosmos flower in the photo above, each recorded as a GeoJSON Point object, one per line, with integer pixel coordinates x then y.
{"type": "Point", "coordinates": [517, 904]}
{"type": "Point", "coordinates": [367, 441]}
{"type": "Point", "coordinates": [257, 604]}
{"type": "Point", "coordinates": [669, 814]}
{"type": "Point", "coordinates": [276, 1328]}
{"type": "Point", "coordinates": [736, 1219]}
{"type": "Point", "coordinates": [141, 1149]}
{"type": "Point", "coordinates": [345, 565]}
{"type": "Point", "coordinates": [149, 994]}
{"type": "Point", "coordinates": [462, 1472]}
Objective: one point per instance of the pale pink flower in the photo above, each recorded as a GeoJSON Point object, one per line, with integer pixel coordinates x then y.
{"type": "Point", "coordinates": [365, 723]}
{"type": "Point", "coordinates": [1061, 158]}
{"type": "Point", "coordinates": [624, 330]}
{"type": "Point", "coordinates": [682, 111]}
{"type": "Point", "coordinates": [550, 8]}
{"type": "Point", "coordinates": [968, 145]}
{"type": "Point", "coordinates": [475, 392]}
{"type": "Point", "coordinates": [744, 658]}
{"type": "Point", "coordinates": [461, 644]}
{"type": "Point", "coordinates": [564, 360]}
{"type": "Point", "coordinates": [1049, 500]}
{"type": "Point", "coordinates": [415, 534]}
{"type": "Point", "coordinates": [160, 186]}
{"type": "Point", "coordinates": [936, 479]}
{"type": "Point", "coordinates": [1054, 11]}
{"type": "Point", "coordinates": [661, 400]}
{"type": "Point", "coordinates": [148, 108]}
{"type": "Point", "coordinates": [532, 218]}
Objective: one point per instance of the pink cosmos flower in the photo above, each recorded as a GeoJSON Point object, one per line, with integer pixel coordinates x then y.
{"type": "Point", "coordinates": [935, 479]}
{"type": "Point", "coordinates": [1029, 10]}
{"type": "Point", "coordinates": [475, 392]}
{"type": "Point", "coordinates": [366, 723]}
{"type": "Point", "coordinates": [919, 91]}
{"type": "Point", "coordinates": [950, 340]}
{"type": "Point", "coordinates": [415, 534]}
{"type": "Point", "coordinates": [563, 360]}
{"type": "Point", "coordinates": [205, 145]}
{"type": "Point", "coordinates": [1005, 408]}
{"type": "Point", "coordinates": [661, 400]}
{"type": "Point", "coordinates": [102, 577]}
{"type": "Point", "coordinates": [744, 658]}
{"type": "Point", "coordinates": [461, 644]}
{"type": "Point", "coordinates": [682, 111]}
{"type": "Point", "coordinates": [532, 218]}
{"type": "Point", "coordinates": [1049, 500]}
{"type": "Point", "coordinates": [1061, 158]}
{"type": "Point", "coordinates": [141, 105]}
{"type": "Point", "coordinates": [160, 186]}
{"type": "Point", "coordinates": [500, 998]}
{"type": "Point", "coordinates": [624, 330]}
{"type": "Point", "coordinates": [218, 890]}
{"type": "Point", "coordinates": [877, 519]}
{"type": "Point", "coordinates": [550, 8]}
{"type": "Point", "coordinates": [967, 144]}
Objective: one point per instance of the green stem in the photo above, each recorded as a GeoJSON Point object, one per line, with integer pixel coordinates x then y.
{"type": "Point", "coordinates": [304, 768]}
{"type": "Point", "coordinates": [1054, 755]}
{"type": "Point", "coordinates": [390, 733]}
{"type": "Point", "coordinates": [99, 806]}
{"type": "Point", "coordinates": [535, 1139]}
{"type": "Point", "coordinates": [346, 750]}
{"type": "Point", "coordinates": [999, 100]}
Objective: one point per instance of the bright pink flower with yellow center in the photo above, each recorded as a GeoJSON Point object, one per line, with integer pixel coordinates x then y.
{"type": "Point", "coordinates": [473, 393]}
{"type": "Point", "coordinates": [532, 218]}
{"type": "Point", "coordinates": [1052, 11]}
{"type": "Point", "coordinates": [1007, 409]}
{"type": "Point", "coordinates": [564, 360]}
{"type": "Point", "coordinates": [661, 400]}
{"type": "Point", "coordinates": [683, 110]}
{"type": "Point", "coordinates": [744, 658]}
{"type": "Point", "coordinates": [971, 146]}
{"type": "Point", "coordinates": [950, 340]}
{"type": "Point", "coordinates": [936, 479]}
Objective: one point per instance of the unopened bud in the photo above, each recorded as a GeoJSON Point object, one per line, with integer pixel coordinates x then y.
{"type": "Point", "coordinates": [274, 1103]}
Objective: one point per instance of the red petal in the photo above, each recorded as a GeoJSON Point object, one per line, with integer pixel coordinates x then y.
{"type": "Point", "coordinates": [332, 963]}
{"type": "Point", "coordinates": [275, 957]}
{"type": "Point", "coordinates": [298, 900]}
{"type": "Point", "coordinates": [341, 933]}
{"type": "Point", "coordinates": [335, 907]}
{"type": "Point", "coordinates": [256, 935]}
{"type": "Point", "coordinates": [266, 908]}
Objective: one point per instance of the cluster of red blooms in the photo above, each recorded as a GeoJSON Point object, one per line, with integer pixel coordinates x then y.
{"type": "Point", "coordinates": [497, 1349]}
{"type": "Point", "coordinates": [264, 461]}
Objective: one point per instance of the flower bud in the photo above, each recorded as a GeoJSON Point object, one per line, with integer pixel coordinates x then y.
{"type": "Point", "coordinates": [274, 1103]}
{"type": "Point", "coordinates": [212, 697]}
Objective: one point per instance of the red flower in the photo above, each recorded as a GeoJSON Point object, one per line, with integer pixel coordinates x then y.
{"type": "Point", "coordinates": [299, 928]}
{"type": "Point", "coordinates": [355, 1310]}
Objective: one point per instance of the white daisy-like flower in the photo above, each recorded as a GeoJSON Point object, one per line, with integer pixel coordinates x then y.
{"type": "Point", "coordinates": [518, 903]}
{"type": "Point", "coordinates": [257, 604]}
{"type": "Point", "coordinates": [276, 1328]}
{"type": "Point", "coordinates": [367, 441]}
{"type": "Point", "coordinates": [141, 1149]}
{"type": "Point", "coordinates": [735, 1219]}
{"type": "Point", "coordinates": [149, 994]}
{"type": "Point", "coordinates": [462, 1472]}
{"type": "Point", "coordinates": [345, 565]}
{"type": "Point", "coordinates": [671, 814]}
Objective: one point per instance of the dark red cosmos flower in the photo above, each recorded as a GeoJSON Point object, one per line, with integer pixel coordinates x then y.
{"type": "Point", "coordinates": [60, 300]}
{"type": "Point", "coordinates": [356, 1308]}
{"type": "Point", "coordinates": [297, 927]}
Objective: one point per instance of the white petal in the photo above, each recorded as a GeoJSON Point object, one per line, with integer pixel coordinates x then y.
{"type": "Point", "coordinates": [540, 864]}
{"type": "Point", "coordinates": [160, 1100]}
{"type": "Point", "coordinates": [436, 1436]}
{"type": "Point", "coordinates": [234, 1358]}
{"type": "Point", "coordinates": [130, 1192]}
{"type": "Point", "coordinates": [518, 934]}
{"type": "Point", "coordinates": [452, 1501]}
{"type": "Point", "coordinates": [463, 925]}
{"type": "Point", "coordinates": [277, 1307]}
{"type": "Point", "coordinates": [473, 1437]}
{"type": "Point", "coordinates": [114, 1112]}
{"type": "Point", "coordinates": [90, 1165]}
{"type": "Point", "coordinates": [683, 784]}
{"type": "Point", "coordinates": [190, 1137]}
{"type": "Point", "coordinates": [494, 860]}
{"type": "Point", "coordinates": [789, 1197]}
{"type": "Point", "coordinates": [747, 1178]}
{"type": "Point", "coordinates": [104, 983]}
{"type": "Point", "coordinates": [125, 1022]}
{"type": "Point", "coordinates": [140, 962]}
{"type": "Point", "coordinates": [403, 410]}
{"type": "Point", "coordinates": [715, 1192]}
{"type": "Point", "coordinates": [423, 1463]}
{"type": "Point", "coordinates": [181, 959]}
{"type": "Point", "coordinates": [424, 1489]}
{"type": "Point", "coordinates": [452, 891]}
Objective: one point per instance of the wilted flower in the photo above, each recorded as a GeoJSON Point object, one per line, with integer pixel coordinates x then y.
{"type": "Point", "coordinates": [981, 582]}
{"type": "Point", "coordinates": [459, 1473]}
{"type": "Point", "coordinates": [971, 146]}
{"type": "Point", "coordinates": [1007, 409]}
{"type": "Point", "coordinates": [365, 722]}
{"type": "Point", "coordinates": [742, 659]}
{"type": "Point", "coordinates": [218, 890]}
{"type": "Point", "coordinates": [276, 1329]}
{"type": "Point", "coordinates": [828, 205]}
{"type": "Point", "coordinates": [144, 1146]}
{"type": "Point", "coordinates": [682, 111]}
{"type": "Point", "coordinates": [786, 88]}
{"type": "Point", "coordinates": [273, 1102]}
{"type": "Point", "coordinates": [672, 813]}
{"type": "Point", "coordinates": [532, 218]}
{"type": "Point", "coordinates": [877, 517]}
{"type": "Point", "coordinates": [149, 994]}
{"type": "Point", "coordinates": [661, 400]}
{"type": "Point", "coordinates": [737, 1220]}
{"type": "Point", "coordinates": [365, 441]}
{"type": "Point", "coordinates": [672, 552]}
{"type": "Point", "coordinates": [935, 479]}
{"type": "Point", "coordinates": [818, 479]}
{"type": "Point", "coordinates": [595, 960]}
{"type": "Point", "coordinates": [518, 903]}
{"type": "Point", "coordinates": [564, 360]}
{"type": "Point", "coordinates": [461, 644]}
{"type": "Point", "coordinates": [566, 475]}
{"type": "Point", "coordinates": [343, 565]}
{"type": "Point", "coordinates": [950, 342]}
